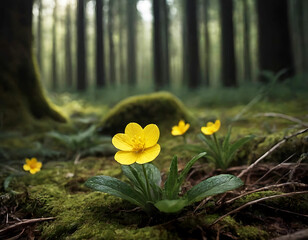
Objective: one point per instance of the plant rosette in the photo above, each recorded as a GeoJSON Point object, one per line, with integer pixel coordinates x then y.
{"type": "Point", "coordinates": [137, 148]}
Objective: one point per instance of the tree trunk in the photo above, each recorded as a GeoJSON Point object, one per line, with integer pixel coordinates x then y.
{"type": "Point", "coordinates": [54, 48]}
{"type": "Point", "coordinates": [274, 37]}
{"type": "Point", "coordinates": [122, 27]}
{"type": "Point", "coordinates": [192, 48]}
{"type": "Point", "coordinates": [247, 62]}
{"type": "Point", "coordinates": [161, 56]}
{"type": "Point", "coordinates": [227, 44]}
{"type": "Point", "coordinates": [21, 97]}
{"type": "Point", "coordinates": [68, 49]}
{"type": "Point", "coordinates": [111, 42]}
{"type": "Point", "coordinates": [207, 42]}
{"type": "Point", "coordinates": [39, 37]}
{"type": "Point", "coordinates": [131, 42]}
{"type": "Point", "coordinates": [100, 49]}
{"type": "Point", "coordinates": [81, 48]}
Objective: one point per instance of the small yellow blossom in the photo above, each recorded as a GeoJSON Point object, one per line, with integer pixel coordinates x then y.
{"type": "Point", "coordinates": [137, 144]}
{"type": "Point", "coordinates": [32, 165]}
{"type": "Point", "coordinates": [180, 129]}
{"type": "Point", "coordinates": [211, 128]}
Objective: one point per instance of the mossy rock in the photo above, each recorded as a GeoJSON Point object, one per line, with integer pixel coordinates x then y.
{"type": "Point", "coordinates": [162, 108]}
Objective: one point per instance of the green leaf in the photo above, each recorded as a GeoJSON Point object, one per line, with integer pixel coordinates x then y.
{"type": "Point", "coordinates": [171, 184]}
{"type": "Point", "coordinates": [116, 188]}
{"type": "Point", "coordinates": [225, 143]}
{"type": "Point", "coordinates": [212, 146]}
{"type": "Point", "coordinates": [171, 206]}
{"type": "Point", "coordinates": [7, 181]}
{"type": "Point", "coordinates": [188, 167]}
{"type": "Point", "coordinates": [212, 186]}
{"type": "Point", "coordinates": [236, 145]}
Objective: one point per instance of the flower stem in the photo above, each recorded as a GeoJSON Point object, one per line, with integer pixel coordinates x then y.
{"type": "Point", "coordinates": [185, 140]}
{"type": "Point", "coordinates": [220, 160]}
{"type": "Point", "coordinates": [147, 182]}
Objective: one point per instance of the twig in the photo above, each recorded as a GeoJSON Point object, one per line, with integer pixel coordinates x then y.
{"type": "Point", "coordinates": [270, 151]}
{"type": "Point", "coordinates": [266, 188]}
{"type": "Point", "coordinates": [277, 166]}
{"type": "Point", "coordinates": [24, 223]}
{"type": "Point", "coordinates": [284, 116]}
{"type": "Point", "coordinates": [256, 201]}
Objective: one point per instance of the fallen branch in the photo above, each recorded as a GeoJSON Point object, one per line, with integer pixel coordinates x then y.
{"type": "Point", "coordinates": [24, 223]}
{"type": "Point", "coordinates": [270, 151]}
{"type": "Point", "coordinates": [302, 234]}
{"type": "Point", "coordinates": [256, 201]}
{"type": "Point", "coordinates": [284, 116]}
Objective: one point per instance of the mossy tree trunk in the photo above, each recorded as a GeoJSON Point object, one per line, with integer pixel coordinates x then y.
{"type": "Point", "coordinates": [21, 97]}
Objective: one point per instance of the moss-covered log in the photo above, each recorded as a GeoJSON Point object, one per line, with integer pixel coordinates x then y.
{"type": "Point", "coordinates": [161, 108]}
{"type": "Point", "coordinates": [21, 96]}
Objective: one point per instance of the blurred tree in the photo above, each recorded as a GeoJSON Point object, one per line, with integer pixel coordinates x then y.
{"type": "Point", "coordinates": [246, 36]}
{"type": "Point", "coordinates": [111, 42]}
{"type": "Point", "coordinates": [206, 6]}
{"type": "Point", "coordinates": [81, 48]}
{"type": "Point", "coordinates": [131, 42]}
{"type": "Point", "coordinates": [161, 51]}
{"type": "Point", "coordinates": [100, 48]}
{"type": "Point", "coordinates": [21, 97]}
{"type": "Point", "coordinates": [54, 47]}
{"type": "Point", "coordinates": [227, 44]}
{"type": "Point", "coordinates": [191, 44]}
{"type": "Point", "coordinates": [274, 37]}
{"type": "Point", "coordinates": [39, 36]}
{"type": "Point", "coordinates": [299, 21]}
{"type": "Point", "coordinates": [122, 27]}
{"type": "Point", "coordinates": [68, 49]}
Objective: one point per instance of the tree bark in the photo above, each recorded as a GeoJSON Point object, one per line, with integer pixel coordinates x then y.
{"type": "Point", "coordinates": [227, 44]}
{"type": "Point", "coordinates": [131, 42]}
{"type": "Point", "coordinates": [81, 46]}
{"type": "Point", "coordinates": [274, 37]}
{"type": "Point", "coordinates": [111, 42]}
{"type": "Point", "coordinates": [122, 27]}
{"type": "Point", "coordinates": [21, 97]}
{"type": "Point", "coordinates": [192, 44]}
{"type": "Point", "coordinates": [161, 56]}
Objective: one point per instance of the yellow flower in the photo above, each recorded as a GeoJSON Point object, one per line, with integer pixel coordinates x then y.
{"type": "Point", "coordinates": [32, 165]}
{"type": "Point", "coordinates": [137, 144]}
{"type": "Point", "coordinates": [180, 129]}
{"type": "Point", "coordinates": [211, 128]}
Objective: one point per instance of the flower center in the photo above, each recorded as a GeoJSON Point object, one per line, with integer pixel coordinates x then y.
{"type": "Point", "coordinates": [32, 165]}
{"type": "Point", "coordinates": [138, 143]}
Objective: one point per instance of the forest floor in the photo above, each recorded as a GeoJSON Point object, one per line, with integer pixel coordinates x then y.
{"type": "Point", "coordinates": [55, 204]}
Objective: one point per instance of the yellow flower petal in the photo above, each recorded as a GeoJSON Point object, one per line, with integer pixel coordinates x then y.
{"type": "Point", "coordinates": [148, 154]}
{"type": "Point", "coordinates": [39, 165]}
{"type": "Point", "coordinates": [176, 131]}
{"type": "Point", "coordinates": [26, 167]}
{"type": "Point", "coordinates": [207, 131]}
{"type": "Point", "coordinates": [151, 135]}
{"type": "Point", "coordinates": [28, 161]}
{"type": "Point", "coordinates": [209, 124]}
{"type": "Point", "coordinates": [33, 160]}
{"type": "Point", "coordinates": [216, 125]}
{"type": "Point", "coordinates": [122, 141]}
{"type": "Point", "coordinates": [134, 129]}
{"type": "Point", "coordinates": [181, 123]}
{"type": "Point", "coordinates": [125, 158]}
{"type": "Point", "coordinates": [33, 171]}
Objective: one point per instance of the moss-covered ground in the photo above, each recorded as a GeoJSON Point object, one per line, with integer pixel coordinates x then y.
{"type": "Point", "coordinates": [74, 151]}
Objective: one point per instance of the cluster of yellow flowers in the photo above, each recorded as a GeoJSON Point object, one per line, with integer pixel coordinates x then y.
{"type": "Point", "coordinates": [181, 128]}
{"type": "Point", "coordinates": [139, 145]}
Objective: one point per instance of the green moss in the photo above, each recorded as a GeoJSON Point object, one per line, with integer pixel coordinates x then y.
{"type": "Point", "coordinates": [251, 233]}
{"type": "Point", "coordinates": [162, 108]}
